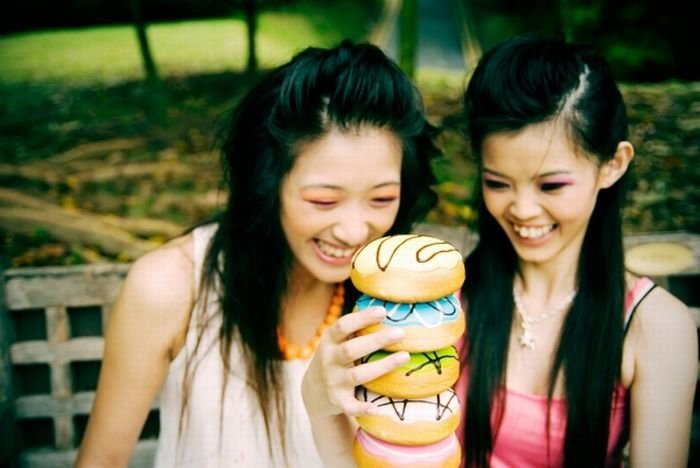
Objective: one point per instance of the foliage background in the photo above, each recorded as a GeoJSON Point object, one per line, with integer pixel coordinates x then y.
{"type": "Point", "coordinates": [82, 151]}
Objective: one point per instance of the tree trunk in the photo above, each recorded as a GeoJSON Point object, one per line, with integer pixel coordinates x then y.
{"type": "Point", "coordinates": [157, 98]}
{"type": "Point", "coordinates": [76, 229]}
{"type": "Point", "coordinates": [250, 8]}
{"type": "Point", "coordinates": [149, 65]}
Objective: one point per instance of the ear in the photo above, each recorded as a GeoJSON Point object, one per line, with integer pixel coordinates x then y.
{"type": "Point", "coordinates": [616, 167]}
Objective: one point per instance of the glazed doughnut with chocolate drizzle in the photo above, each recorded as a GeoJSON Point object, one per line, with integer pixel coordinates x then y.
{"type": "Point", "coordinates": [408, 268]}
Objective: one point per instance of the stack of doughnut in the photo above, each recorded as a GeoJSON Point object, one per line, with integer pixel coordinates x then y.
{"type": "Point", "coordinates": [414, 277]}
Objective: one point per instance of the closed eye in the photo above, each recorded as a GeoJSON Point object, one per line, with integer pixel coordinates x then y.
{"type": "Point", "coordinates": [322, 203]}
{"type": "Point", "coordinates": [383, 201]}
{"type": "Point", "coordinates": [552, 186]}
{"type": "Point", "coordinates": [495, 184]}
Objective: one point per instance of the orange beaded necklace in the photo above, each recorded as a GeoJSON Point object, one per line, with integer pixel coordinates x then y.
{"type": "Point", "coordinates": [292, 351]}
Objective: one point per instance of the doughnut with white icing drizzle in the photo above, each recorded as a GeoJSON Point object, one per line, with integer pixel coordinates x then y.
{"type": "Point", "coordinates": [410, 421]}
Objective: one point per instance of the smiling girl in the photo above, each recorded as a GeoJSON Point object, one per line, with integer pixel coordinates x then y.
{"type": "Point", "coordinates": [324, 154]}
{"type": "Point", "coordinates": [569, 356]}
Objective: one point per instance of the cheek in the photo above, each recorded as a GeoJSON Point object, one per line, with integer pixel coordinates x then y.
{"type": "Point", "coordinates": [382, 220]}
{"type": "Point", "coordinates": [495, 203]}
{"type": "Point", "coordinates": [292, 222]}
{"type": "Point", "coordinates": [576, 209]}
{"type": "Point", "coordinates": [390, 217]}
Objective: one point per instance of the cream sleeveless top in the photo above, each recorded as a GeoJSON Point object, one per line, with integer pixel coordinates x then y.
{"type": "Point", "coordinates": [228, 431]}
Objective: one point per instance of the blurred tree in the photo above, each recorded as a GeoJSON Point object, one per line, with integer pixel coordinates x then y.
{"type": "Point", "coordinates": [564, 11]}
{"type": "Point", "coordinates": [408, 36]}
{"type": "Point", "coordinates": [250, 11]}
{"type": "Point", "coordinates": [157, 98]}
{"type": "Point", "coordinates": [149, 65]}
{"type": "Point", "coordinates": [651, 40]}
{"type": "Point", "coordinates": [34, 14]}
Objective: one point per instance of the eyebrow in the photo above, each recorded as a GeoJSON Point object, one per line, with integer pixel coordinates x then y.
{"type": "Point", "coordinates": [335, 187]}
{"type": "Point", "coordinates": [537, 176]}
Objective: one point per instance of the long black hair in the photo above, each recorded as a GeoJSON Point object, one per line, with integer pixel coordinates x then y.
{"type": "Point", "coordinates": [523, 81]}
{"type": "Point", "coordinates": [319, 90]}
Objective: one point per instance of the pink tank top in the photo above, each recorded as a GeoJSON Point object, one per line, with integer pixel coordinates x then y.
{"type": "Point", "coordinates": [522, 438]}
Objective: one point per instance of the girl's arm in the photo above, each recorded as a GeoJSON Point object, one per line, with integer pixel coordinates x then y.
{"type": "Point", "coordinates": [329, 384]}
{"type": "Point", "coordinates": [146, 326]}
{"type": "Point", "coordinates": [665, 348]}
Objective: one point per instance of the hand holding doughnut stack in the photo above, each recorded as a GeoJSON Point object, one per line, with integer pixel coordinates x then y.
{"type": "Point", "coordinates": [414, 277]}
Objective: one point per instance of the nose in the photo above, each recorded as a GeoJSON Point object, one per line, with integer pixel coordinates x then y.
{"type": "Point", "coordinates": [352, 227]}
{"type": "Point", "coordinates": [525, 206]}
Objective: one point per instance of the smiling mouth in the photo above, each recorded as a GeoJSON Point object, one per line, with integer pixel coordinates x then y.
{"type": "Point", "coordinates": [533, 232]}
{"type": "Point", "coordinates": [332, 251]}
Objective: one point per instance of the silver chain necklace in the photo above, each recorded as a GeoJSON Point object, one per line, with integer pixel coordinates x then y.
{"type": "Point", "coordinates": [527, 339]}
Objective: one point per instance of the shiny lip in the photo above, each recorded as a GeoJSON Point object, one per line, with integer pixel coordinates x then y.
{"type": "Point", "coordinates": [321, 247]}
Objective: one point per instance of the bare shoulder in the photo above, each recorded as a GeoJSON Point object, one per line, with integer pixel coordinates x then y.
{"type": "Point", "coordinates": [159, 286]}
{"type": "Point", "coordinates": [662, 320]}
{"type": "Point", "coordinates": [169, 265]}
{"type": "Point", "coordinates": [661, 308]}
{"type": "Point", "coordinates": [662, 376]}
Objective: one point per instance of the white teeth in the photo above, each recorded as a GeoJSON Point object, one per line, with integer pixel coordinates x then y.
{"type": "Point", "coordinates": [533, 232]}
{"type": "Point", "coordinates": [334, 251]}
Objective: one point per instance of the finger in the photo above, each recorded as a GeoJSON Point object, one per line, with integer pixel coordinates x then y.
{"type": "Point", "coordinates": [359, 408]}
{"type": "Point", "coordinates": [363, 373]}
{"type": "Point", "coordinates": [360, 346]}
{"type": "Point", "coordinates": [349, 324]}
